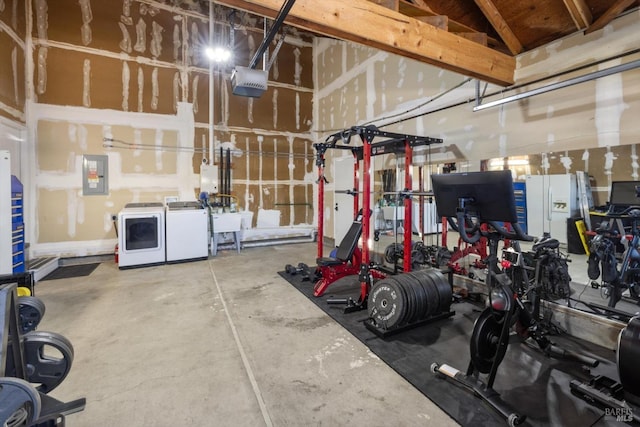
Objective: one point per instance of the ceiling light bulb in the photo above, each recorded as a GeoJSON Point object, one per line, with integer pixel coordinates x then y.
{"type": "Point", "coordinates": [218, 54]}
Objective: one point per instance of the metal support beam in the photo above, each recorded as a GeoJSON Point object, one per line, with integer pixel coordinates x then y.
{"type": "Point", "coordinates": [284, 11]}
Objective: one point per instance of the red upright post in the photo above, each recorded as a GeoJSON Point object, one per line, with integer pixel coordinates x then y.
{"type": "Point", "coordinates": [320, 163]}
{"type": "Point", "coordinates": [408, 184]}
{"type": "Point", "coordinates": [366, 215]}
{"type": "Point", "coordinates": [421, 200]}
{"type": "Point", "coordinates": [356, 184]}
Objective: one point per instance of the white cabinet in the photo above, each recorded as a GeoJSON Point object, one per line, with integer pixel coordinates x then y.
{"type": "Point", "coordinates": [551, 200]}
{"type": "Point", "coordinates": [6, 257]}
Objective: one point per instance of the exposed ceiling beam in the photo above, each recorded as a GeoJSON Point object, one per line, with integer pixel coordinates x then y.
{"type": "Point", "coordinates": [500, 25]}
{"type": "Point", "coordinates": [421, 3]}
{"type": "Point", "coordinates": [367, 23]}
{"type": "Point", "coordinates": [580, 13]}
{"type": "Point", "coordinates": [615, 10]}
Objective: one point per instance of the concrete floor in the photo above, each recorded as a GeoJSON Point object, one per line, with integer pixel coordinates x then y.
{"type": "Point", "coordinates": [227, 342]}
{"type": "Point", "coordinates": [222, 342]}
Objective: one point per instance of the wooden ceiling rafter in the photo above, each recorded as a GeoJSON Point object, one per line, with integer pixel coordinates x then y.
{"type": "Point", "coordinates": [616, 9]}
{"type": "Point", "coordinates": [420, 10]}
{"type": "Point", "coordinates": [371, 24]}
{"type": "Point", "coordinates": [580, 13]}
{"type": "Point", "coordinates": [500, 25]}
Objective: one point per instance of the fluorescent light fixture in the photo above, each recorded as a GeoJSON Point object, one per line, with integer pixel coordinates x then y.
{"type": "Point", "coordinates": [218, 54]}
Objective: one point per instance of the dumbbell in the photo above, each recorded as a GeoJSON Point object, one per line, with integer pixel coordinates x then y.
{"type": "Point", "coordinates": [302, 269]}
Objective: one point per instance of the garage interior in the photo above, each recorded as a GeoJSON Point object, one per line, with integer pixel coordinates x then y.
{"type": "Point", "coordinates": [178, 178]}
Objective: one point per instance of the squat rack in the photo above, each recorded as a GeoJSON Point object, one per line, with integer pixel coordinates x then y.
{"type": "Point", "coordinates": [394, 143]}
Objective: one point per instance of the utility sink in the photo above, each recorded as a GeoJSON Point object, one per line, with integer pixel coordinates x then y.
{"type": "Point", "coordinates": [226, 222]}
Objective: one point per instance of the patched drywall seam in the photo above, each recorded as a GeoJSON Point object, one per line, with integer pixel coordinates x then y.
{"type": "Point", "coordinates": [126, 77]}
{"type": "Point", "coordinates": [87, 17]}
{"type": "Point", "coordinates": [634, 162]}
{"type": "Point", "coordinates": [151, 70]}
{"type": "Point", "coordinates": [86, 83]}
{"type": "Point", "coordinates": [609, 108]}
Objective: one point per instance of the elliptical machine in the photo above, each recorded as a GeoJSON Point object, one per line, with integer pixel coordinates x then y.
{"type": "Point", "coordinates": [479, 201]}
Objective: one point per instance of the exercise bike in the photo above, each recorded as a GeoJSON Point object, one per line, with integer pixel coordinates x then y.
{"type": "Point", "coordinates": [542, 272]}
{"type": "Point", "coordinates": [604, 262]}
{"type": "Point", "coordinates": [510, 305]}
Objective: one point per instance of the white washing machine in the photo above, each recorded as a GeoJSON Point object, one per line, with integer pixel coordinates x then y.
{"type": "Point", "coordinates": [141, 239]}
{"type": "Point", "coordinates": [187, 232]}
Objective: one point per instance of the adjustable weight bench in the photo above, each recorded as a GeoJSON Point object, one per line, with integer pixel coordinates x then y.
{"type": "Point", "coordinates": [346, 262]}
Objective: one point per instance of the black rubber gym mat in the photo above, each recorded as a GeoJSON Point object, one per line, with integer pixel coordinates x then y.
{"type": "Point", "coordinates": [530, 382]}
{"type": "Point", "coordinates": [68, 271]}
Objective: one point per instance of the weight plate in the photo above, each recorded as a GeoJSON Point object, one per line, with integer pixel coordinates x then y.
{"type": "Point", "coordinates": [20, 402]}
{"type": "Point", "coordinates": [387, 304]}
{"type": "Point", "coordinates": [432, 299]}
{"type": "Point", "coordinates": [409, 298]}
{"type": "Point", "coordinates": [422, 297]}
{"type": "Point", "coordinates": [439, 307]}
{"type": "Point", "coordinates": [43, 367]}
{"type": "Point", "coordinates": [393, 252]}
{"type": "Point", "coordinates": [31, 311]}
{"type": "Point", "coordinates": [629, 355]}
{"type": "Point", "coordinates": [484, 342]}
{"type": "Point", "coordinates": [412, 300]}
{"type": "Point", "coordinates": [423, 304]}
{"type": "Point", "coordinates": [443, 256]}
{"type": "Point", "coordinates": [417, 258]}
{"type": "Point", "coordinates": [445, 293]}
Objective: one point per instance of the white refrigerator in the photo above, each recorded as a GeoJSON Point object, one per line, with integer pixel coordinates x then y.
{"type": "Point", "coordinates": [551, 200]}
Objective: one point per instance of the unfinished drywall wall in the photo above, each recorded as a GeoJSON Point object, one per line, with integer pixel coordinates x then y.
{"type": "Point", "coordinates": [357, 85]}
{"type": "Point", "coordinates": [134, 72]}
{"type": "Point", "coordinates": [12, 60]}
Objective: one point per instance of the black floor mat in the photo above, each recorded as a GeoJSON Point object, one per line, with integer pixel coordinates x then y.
{"type": "Point", "coordinates": [527, 380]}
{"type": "Point", "coordinates": [69, 271]}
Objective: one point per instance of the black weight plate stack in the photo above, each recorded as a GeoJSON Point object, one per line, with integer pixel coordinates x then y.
{"type": "Point", "coordinates": [629, 356]}
{"type": "Point", "coordinates": [31, 311]}
{"type": "Point", "coordinates": [432, 296]}
{"type": "Point", "coordinates": [412, 298]}
{"type": "Point", "coordinates": [432, 284]}
{"type": "Point", "coordinates": [387, 304]}
{"type": "Point", "coordinates": [410, 288]}
{"type": "Point", "coordinates": [423, 307]}
{"type": "Point", "coordinates": [413, 280]}
{"type": "Point", "coordinates": [445, 293]}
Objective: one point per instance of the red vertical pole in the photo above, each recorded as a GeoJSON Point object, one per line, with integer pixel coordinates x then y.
{"type": "Point", "coordinates": [408, 184]}
{"type": "Point", "coordinates": [320, 164]}
{"type": "Point", "coordinates": [356, 184]}
{"type": "Point", "coordinates": [366, 212]}
{"type": "Point", "coordinates": [421, 200]}
{"type": "Point", "coordinates": [366, 201]}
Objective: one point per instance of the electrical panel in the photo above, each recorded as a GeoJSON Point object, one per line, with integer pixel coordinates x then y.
{"type": "Point", "coordinates": [95, 174]}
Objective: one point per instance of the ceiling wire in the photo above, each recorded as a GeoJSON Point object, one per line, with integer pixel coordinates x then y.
{"type": "Point", "coordinates": [124, 145]}
{"type": "Point", "coordinates": [417, 107]}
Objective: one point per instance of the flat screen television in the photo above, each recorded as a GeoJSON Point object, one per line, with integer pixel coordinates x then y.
{"type": "Point", "coordinates": [624, 193]}
{"type": "Point", "coordinates": [488, 196]}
